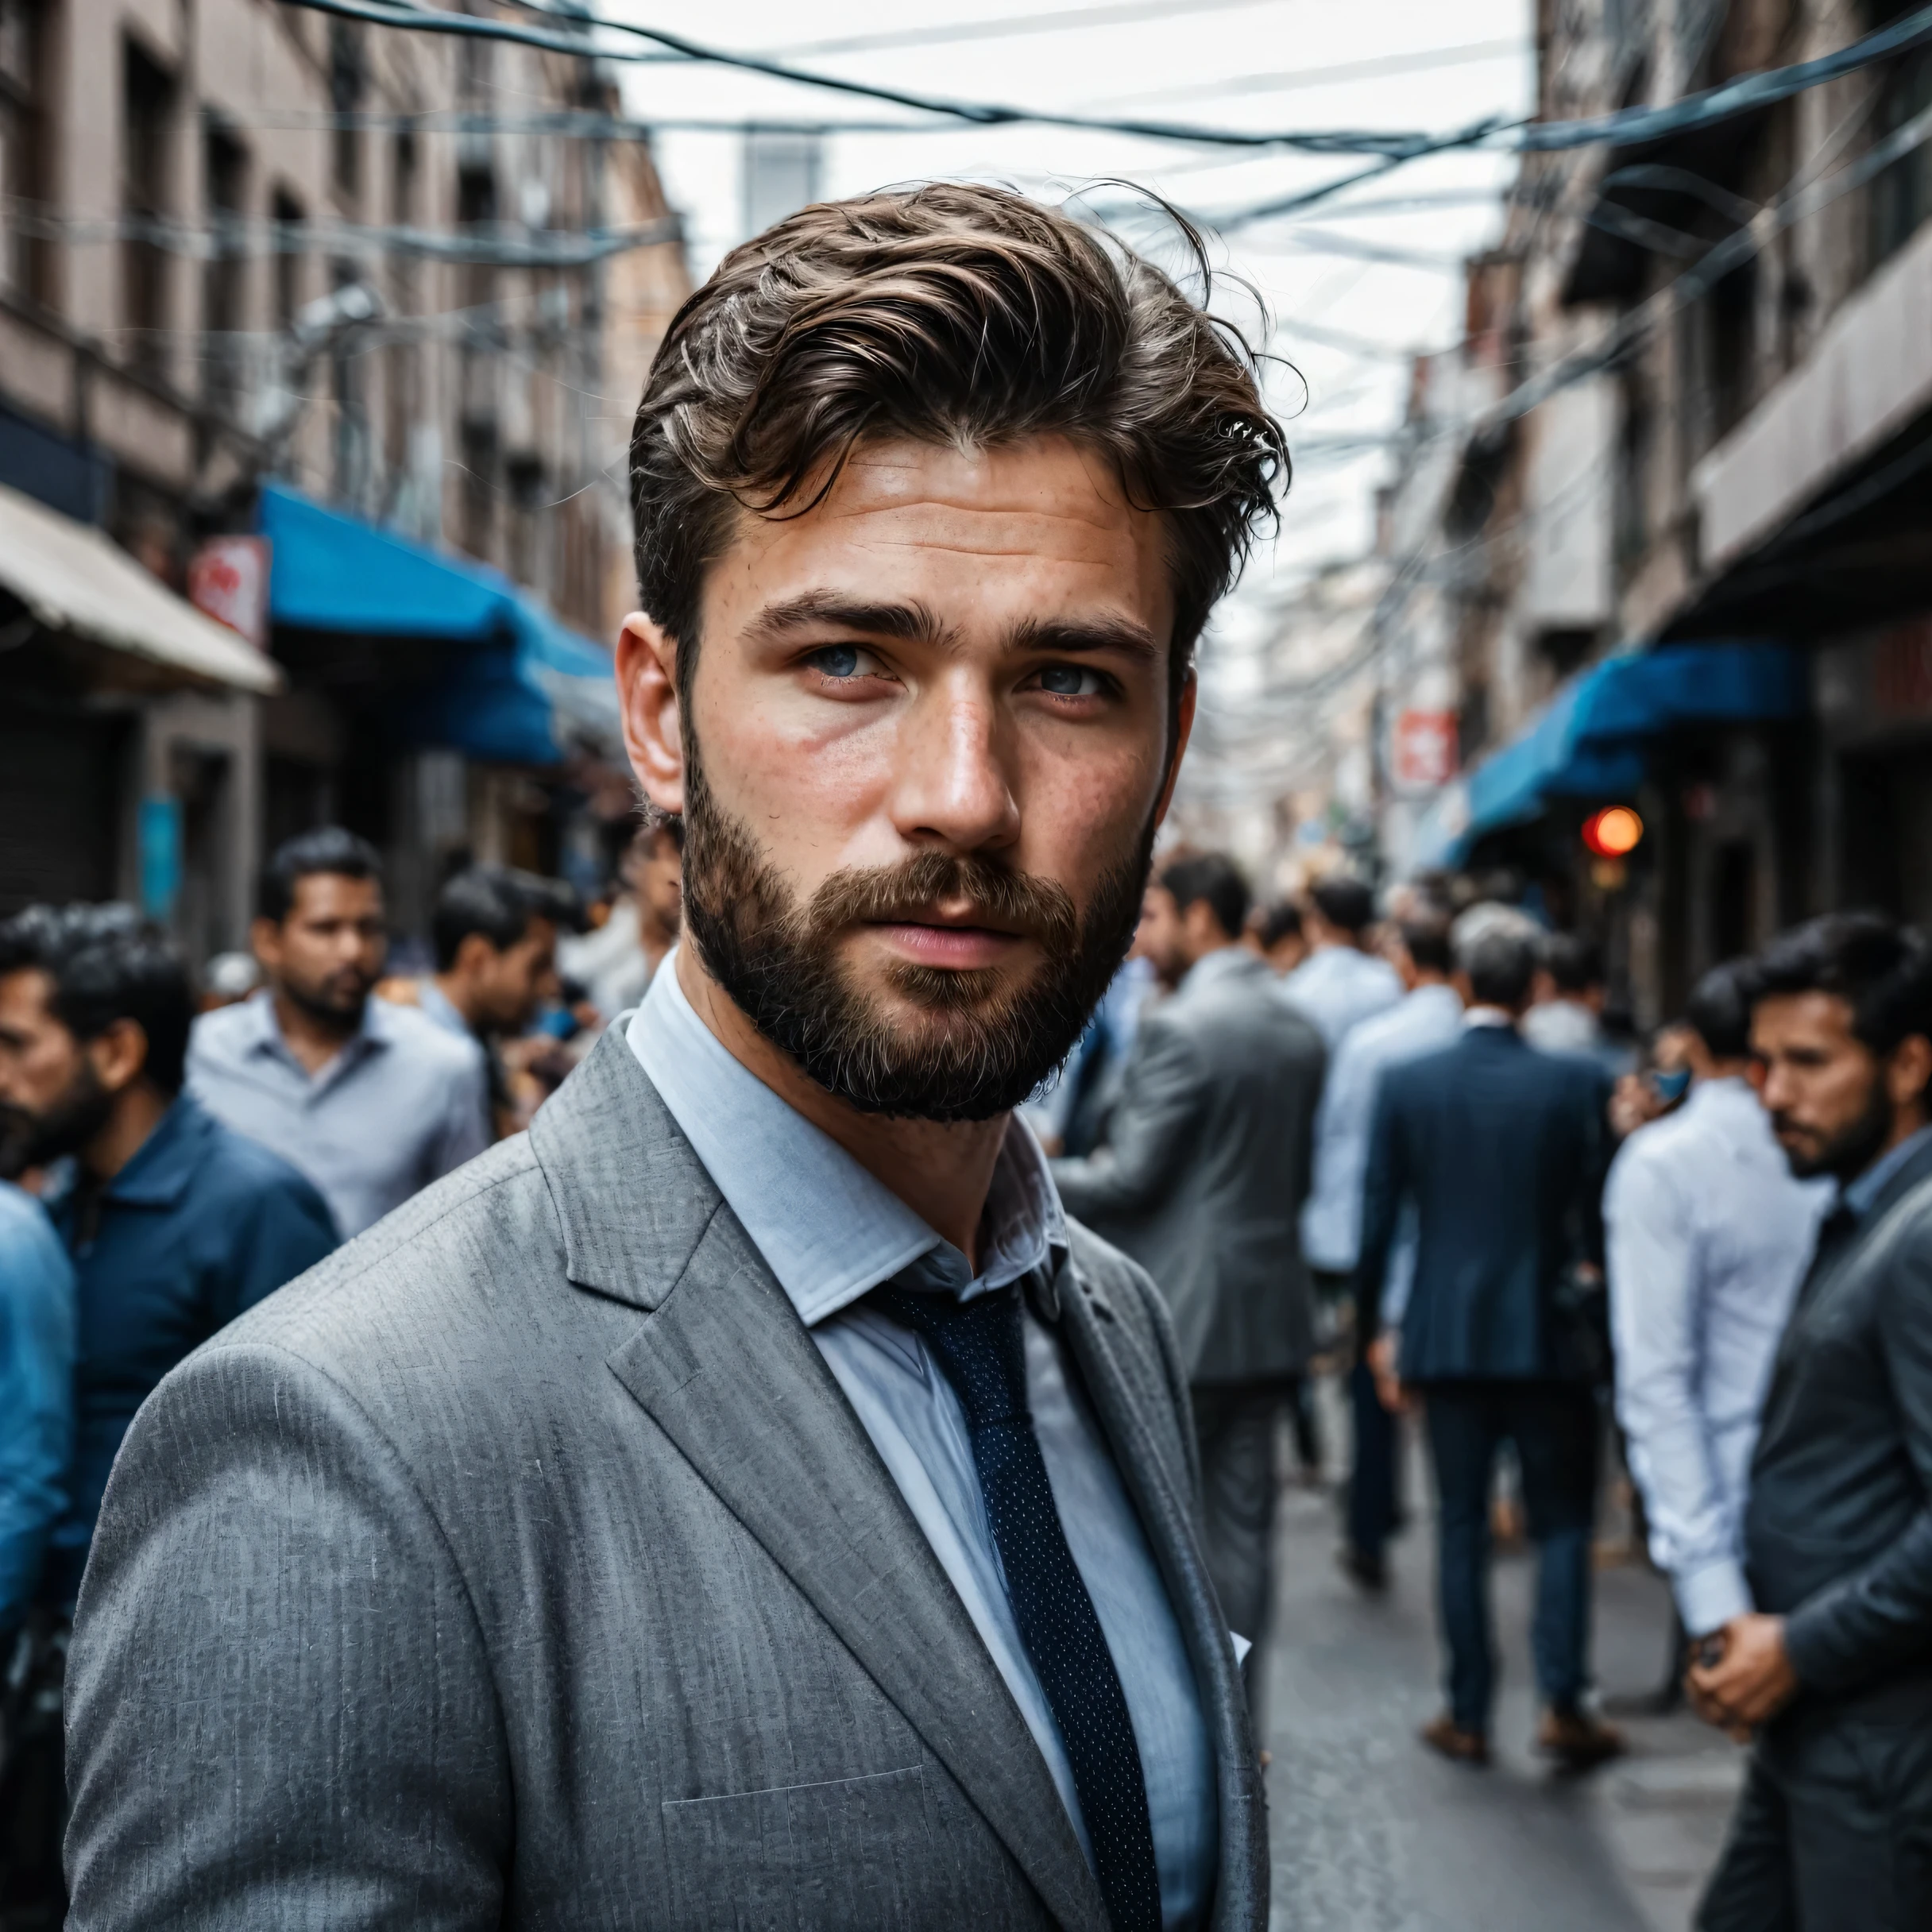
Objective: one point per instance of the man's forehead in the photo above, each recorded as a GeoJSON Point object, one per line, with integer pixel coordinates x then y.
{"type": "Point", "coordinates": [939, 517]}
{"type": "Point", "coordinates": [1812, 1014]}
{"type": "Point", "coordinates": [26, 995]}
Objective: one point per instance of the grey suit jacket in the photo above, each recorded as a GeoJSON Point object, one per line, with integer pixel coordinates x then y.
{"type": "Point", "coordinates": [522, 1565]}
{"type": "Point", "coordinates": [1209, 1156]}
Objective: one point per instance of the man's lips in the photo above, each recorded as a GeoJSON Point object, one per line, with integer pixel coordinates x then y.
{"type": "Point", "coordinates": [932, 940]}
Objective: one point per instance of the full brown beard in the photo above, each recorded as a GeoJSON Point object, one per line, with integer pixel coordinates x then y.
{"type": "Point", "coordinates": [981, 1043]}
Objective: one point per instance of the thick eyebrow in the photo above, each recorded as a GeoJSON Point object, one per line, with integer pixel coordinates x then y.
{"type": "Point", "coordinates": [1074, 635]}
{"type": "Point", "coordinates": [820, 609]}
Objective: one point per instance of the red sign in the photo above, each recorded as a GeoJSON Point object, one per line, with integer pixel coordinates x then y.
{"type": "Point", "coordinates": [1425, 749]}
{"type": "Point", "coordinates": [228, 579]}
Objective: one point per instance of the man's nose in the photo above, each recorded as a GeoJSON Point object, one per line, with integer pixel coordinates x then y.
{"type": "Point", "coordinates": [953, 785]}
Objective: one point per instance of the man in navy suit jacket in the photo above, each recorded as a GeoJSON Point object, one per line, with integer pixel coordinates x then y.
{"type": "Point", "coordinates": [1499, 1150]}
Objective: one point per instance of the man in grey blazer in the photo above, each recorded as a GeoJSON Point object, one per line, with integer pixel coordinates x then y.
{"type": "Point", "coordinates": [1208, 1158]}
{"type": "Point", "coordinates": [747, 1499]}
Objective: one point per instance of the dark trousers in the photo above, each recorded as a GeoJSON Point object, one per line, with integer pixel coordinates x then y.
{"type": "Point", "coordinates": [1234, 1425]}
{"type": "Point", "coordinates": [1833, 1831]}
{"type": "Point", "coordinates": [1553, 1425]}
{"type": "Point", "coordinates": [1371, 1482]}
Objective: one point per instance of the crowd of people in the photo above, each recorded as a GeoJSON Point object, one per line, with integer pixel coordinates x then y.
{"type": "Point", "coordinates": [767, 1490]}
{"type": "Point", "coordinates": [1714, 1253]}
{"type": "Point", "coordinates": [197, 1141]}
{"type": "Point", "coordinates": [1403, 1144]}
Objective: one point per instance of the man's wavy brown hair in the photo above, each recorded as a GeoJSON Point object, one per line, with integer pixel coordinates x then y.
{"type": "Point", "coordinates": [951, 314]}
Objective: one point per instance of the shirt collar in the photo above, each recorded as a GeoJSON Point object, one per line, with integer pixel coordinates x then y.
{"type": "Point", "coordinates": [829, 1230]}
{"type": "Point", "coordinates": [1860, 1193]}
{"type": "Point", "coordinates": [437, 1007]}
{"type": "Point", "coordinates": [1224, 962]}
{"type": "Point", "coordinates": [159, 1173]}
{"type": "Point", "coordinates": [1489, 1016]}
{"type": "Point", "coordinates": [373, 1031]}
{"type": "Point", "coordinates": [165, 1163]}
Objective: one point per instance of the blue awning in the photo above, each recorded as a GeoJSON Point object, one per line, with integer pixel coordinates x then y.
{"type": "Point", "coordinates": [1587, 741]}
{"type": "Point", "coordinates": [527, 685]}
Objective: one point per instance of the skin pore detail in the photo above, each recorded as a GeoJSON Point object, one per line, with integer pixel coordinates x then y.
{"type": "Point", "coordinates": [957, 654]}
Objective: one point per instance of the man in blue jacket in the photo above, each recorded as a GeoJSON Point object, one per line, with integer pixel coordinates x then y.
{"type": "Point", "coordinates": [1501, 1149]}
{"type": "Point", "coordinates": [174, 1223]}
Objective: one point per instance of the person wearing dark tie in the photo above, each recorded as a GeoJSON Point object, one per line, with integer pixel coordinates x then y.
{"type": "Point", "coordinates": [749, 1498]}
{"type": "Point", "coordinates": [1831, 1667]}
{"type": "Point", "coordinates": [1499, 1151]}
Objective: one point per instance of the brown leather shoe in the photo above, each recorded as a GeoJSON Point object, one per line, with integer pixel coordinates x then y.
{"type": "Point", "coordinates": [1579, 1742]}
{"type": "Point", "coordinates": [1443, 1734]}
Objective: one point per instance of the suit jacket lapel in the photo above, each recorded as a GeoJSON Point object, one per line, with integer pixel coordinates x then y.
{"type": "Point", "coordinates": [1097, 1339]}
{"type": "Point", "coordinates": [726, 1369]}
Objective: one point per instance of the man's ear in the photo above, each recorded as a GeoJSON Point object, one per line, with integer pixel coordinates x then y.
{"type": "Point", "coordinates": [1908, 1073]}
{"type": "Point", "coordinates": [1184, 729]}
{"type": "Point", "coordinates": [647, 696]}
{"type": "Point", "coordinates": [119, 1052]}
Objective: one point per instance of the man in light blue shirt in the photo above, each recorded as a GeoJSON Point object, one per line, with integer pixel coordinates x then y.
{"type": "Point", "coordinates": [831, 1233]}
{"type": "Point", "coordinates": [37, 1395]}
{"type": "Point", "coordinates": [1709, 1237]}
{"type": "Point", "coordinates": [1340, 982]}
{"type": "Point", "coordinates": [1429, 1015]}
{"type": "Point", "coordinates": [371, 1101]}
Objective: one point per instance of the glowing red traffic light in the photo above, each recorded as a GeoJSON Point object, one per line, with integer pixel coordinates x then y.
{"type": "Point", "coordinates": [1614, 832]}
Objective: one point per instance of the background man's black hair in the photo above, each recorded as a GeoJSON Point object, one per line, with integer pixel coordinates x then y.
{"type": "Point", "coordinates": [1344, 902]}
{"type": "Point", "coordinates": [1881, 969]}
{"type": "Point", "coordinates": [1501, 962]}
{"type": "Point", "coordinates": [1718, 1011]}
{"type": "Point", "coordinates": [107, 963]}
{"type": "Point", "coordinates": [498, 901]}
{"type": "Point", "coordinates": [1575, 964]}
{"type": "Point", "coordinates": [1215, 877]}
{"type": "Point", "coordinates": [1426, 941]}
{"type": "Point", "coordinates": [1281, 920]}
{"type": "Point", "coordinates": [329, 848]}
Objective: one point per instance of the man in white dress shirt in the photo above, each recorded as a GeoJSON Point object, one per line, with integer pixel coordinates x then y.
{"type": "Point", "coordinates": [1709, 1236]}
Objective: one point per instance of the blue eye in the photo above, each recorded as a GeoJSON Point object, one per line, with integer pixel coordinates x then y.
{"type": "Point", "coordinates": [837, 660]}
{"type": "Point", "coordinates": [1069, 681]}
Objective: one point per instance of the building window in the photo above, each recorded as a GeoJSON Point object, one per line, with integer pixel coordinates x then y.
{"type": "Point", "coordinates": [148, 101]}
{"type": "Point", "coordinates": [286, 213]}
{"type": "Point", "coordinates": [26, 170]}
{"type": "Point", "coordinates": [1902, 195]}
{"type": "Point", "coordinates": [224, 174]}
{"type": "Point", "coordinates": [345, 90]}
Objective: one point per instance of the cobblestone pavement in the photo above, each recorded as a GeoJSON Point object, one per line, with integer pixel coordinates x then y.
{"type": "Point", "coordinates": [1372, 1834]}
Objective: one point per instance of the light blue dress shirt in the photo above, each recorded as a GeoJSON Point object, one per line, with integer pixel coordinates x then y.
{"type": "Point", "coordinates": [1709, 1237]}
{"type": "Point", "coordinates": [401, 1105]}
{"type": "Point", "coordinates": [37, 1339]}
{"type": "Point", "coordinates": [1429, 1017]}
{"type": "Point", "coordinates": [830, 1233]}
{"type": "Point", "coordinates": [1337, 988]}
{"type": "Point", "coordinates": [1859, 1194]}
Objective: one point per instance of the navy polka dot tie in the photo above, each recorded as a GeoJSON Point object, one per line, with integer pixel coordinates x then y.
{"type": "Point", "coordinates": [980, 1345]}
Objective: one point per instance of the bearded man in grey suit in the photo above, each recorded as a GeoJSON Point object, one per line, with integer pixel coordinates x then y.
{"type": "Point", "coordinates": [1208, 1158]}
{"type": "Point", "coordinates": [747, 1498]}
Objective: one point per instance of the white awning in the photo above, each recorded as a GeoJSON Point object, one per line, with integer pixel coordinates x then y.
{"type": "Point", "coordinates": [71, 577]}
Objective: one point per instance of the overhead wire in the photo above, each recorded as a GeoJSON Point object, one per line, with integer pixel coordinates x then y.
{"type": "Point", "coordinates": [1626, 126]}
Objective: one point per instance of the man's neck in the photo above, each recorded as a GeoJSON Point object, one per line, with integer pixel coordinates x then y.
{"type": "Point", "coordinates": [941, 1170]}
{"type": "Point", "coordinates": [452, 989]}
{"type": "Point", "coordinates": [314, 1040]}
{"type": "Point", "coordinates": [1207, 952]}
{"type": "Point", "coordinates": [137, 1112]}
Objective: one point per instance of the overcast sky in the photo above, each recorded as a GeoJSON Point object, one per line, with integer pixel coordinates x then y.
{"type": "Point", "coordinates": [1383, 64]}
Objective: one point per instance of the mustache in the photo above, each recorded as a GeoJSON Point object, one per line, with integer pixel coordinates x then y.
{"type": "Point", "coordinates": [999, 897]}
